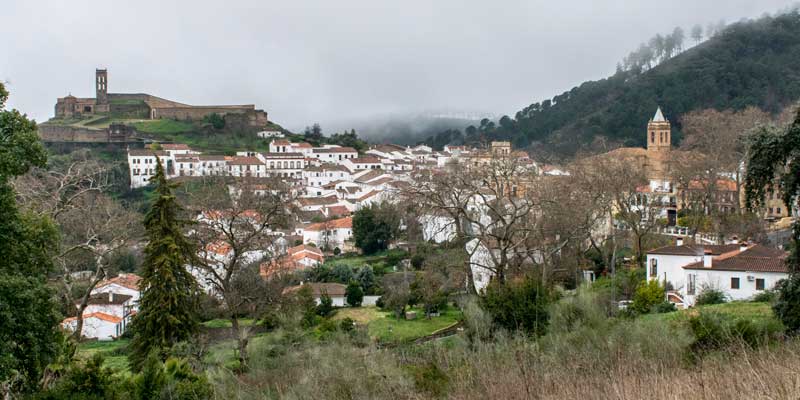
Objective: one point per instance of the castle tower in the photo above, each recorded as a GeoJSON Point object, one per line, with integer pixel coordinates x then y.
{"type": "Point", "coordinates": [101, 86]}
{"type": "Point", "coordinates": [659, 142]}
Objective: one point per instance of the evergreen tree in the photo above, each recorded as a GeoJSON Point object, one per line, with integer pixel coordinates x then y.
{"type": "Point", "coordinates": [167, 312]}
{"type": "Point", "coordinates": [774, 165]}
{"type": "Point", "coordinates": [28, 316]}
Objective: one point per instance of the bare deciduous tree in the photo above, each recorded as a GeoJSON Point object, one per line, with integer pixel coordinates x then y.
{"type": "Point", "coordinates": [237, 231]}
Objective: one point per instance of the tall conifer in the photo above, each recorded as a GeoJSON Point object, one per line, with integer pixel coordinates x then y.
{"type": "Point", "coordinates": [167, 307]}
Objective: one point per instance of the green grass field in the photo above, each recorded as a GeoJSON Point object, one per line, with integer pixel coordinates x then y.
{"type": "Point", "coordinates": [110, 350]}
{"type": "Point", "coordinates": [737, 309]}
{"type": "Point", "coordinates": [163, 126]}
{"type": "Point", "coordinates": [226, 323]}
{"type": "Point", "coordinates": [384, 327]}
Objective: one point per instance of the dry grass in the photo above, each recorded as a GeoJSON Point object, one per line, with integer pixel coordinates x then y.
{"type": "Point", "coordinates": [766, 374]}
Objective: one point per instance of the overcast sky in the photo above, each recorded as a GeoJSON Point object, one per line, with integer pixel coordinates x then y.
{"type": "Point", "coordinates": [333, 61]}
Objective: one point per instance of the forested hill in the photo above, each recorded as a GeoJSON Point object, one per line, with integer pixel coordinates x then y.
{"type": "Point", "coordinates": [747, 63]}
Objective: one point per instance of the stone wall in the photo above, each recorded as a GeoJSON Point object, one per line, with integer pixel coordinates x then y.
{"type": "Point", "coordinates": [196, 113]}
{"type": "Point", "coordinates": [59, 133]}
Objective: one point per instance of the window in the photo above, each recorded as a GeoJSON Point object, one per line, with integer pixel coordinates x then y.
{"type": "Point", "coordinates": [690, 284]}
{"type": "Point", "coordinates": [652, 137]}
{"type": "Point", "coordinates": [734, 283]}
{"type": "Point", "coordinates": [759, 284]}
{"type": "Point", "coordinates": [653, 268]}
{"type": "Point", "coordinates": [778, 210]}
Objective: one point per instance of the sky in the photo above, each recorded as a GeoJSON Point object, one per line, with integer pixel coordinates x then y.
{"type": "Point", "coordinates": [334, 62]}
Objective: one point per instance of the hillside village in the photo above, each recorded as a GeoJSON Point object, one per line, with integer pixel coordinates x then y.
{"type": "Point", "coordinates": [328, 184]}
{"type": "Point", "coordinates": [636, 237]}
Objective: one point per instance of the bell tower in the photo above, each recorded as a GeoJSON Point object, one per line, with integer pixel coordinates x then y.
{"type": "Point", "coordinates": [658, 133]}
{"type": "Point", "coordinates": [659, 143]}
{"type": "Point", "coordinates": [101, 86]}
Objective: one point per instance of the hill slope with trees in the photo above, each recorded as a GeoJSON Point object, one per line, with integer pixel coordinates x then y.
{"type": "Point", "coordinates": [749, 63]}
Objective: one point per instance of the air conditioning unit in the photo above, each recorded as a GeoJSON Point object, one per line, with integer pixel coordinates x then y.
{"type": "Point", "coordinates": [751, 278]}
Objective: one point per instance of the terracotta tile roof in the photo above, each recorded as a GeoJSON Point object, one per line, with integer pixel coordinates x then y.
{"type": "Point", "coordinates": [283, 155]}
{"type": "Point", "coordinates": [130, 281]}
{"type": "Point", "coordinates": [366, 160]}
{"type": "Point", "coordinates": [281, 142]}
{"type": "Point", "coordinates": [98, 315]}
{"type": "Point", "coordinates": [332, 289]}
{"type": "Point", "coordinates": [211, 157]}
{"type": "Point", "coordinates": [244, 161]}
{"type": "Point", "coordinates": [218, 247]}
{"type": "Point", "coordinates": [337, 211]}
{"type": "Point", "coordinates": [372, 174]}
{"type": "Point", "coordinates": [368, 195]}
{"type": "Point", "coordinates": [340, 223]}
{"type": "Point", "coordinates": [317, 201]}
{"type": "Point", "coordinates": [722, 184]}
{"type": "Point", "coordinates": [336, 150]}
{"type": "Point", "coordinates": [756, 258]}
{"type": "Point", "coordinates": [694, 250]}
{"type": "Point", "coordinates": [302, 145]}
{"type": "Point", "coordinates": [380, 181]}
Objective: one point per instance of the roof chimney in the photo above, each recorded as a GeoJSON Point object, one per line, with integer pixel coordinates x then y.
{"type": "Point", "coordinates": [679, 241]}
{"type": "Point", "coordinates": [110, 297]}
{"type": "Point", "coordinates": [707, 258]}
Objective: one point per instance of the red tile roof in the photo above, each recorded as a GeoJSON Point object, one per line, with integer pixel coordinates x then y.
{"type": "Point", "coordinates": [130, 281]}
{"type": "Point", "coordinates": [756, 258]}
{"type": "Point", "coordinates": [98, 315]}
{"type": "Point", "coordinates": [340, 223]}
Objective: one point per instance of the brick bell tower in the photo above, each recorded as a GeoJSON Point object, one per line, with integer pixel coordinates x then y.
{"type": "Point", "coordinates": [659, 143]}
{"type": "Point", "coordinates": [101, 91]}
{"type": "Point", "coordinates": [101, 86]}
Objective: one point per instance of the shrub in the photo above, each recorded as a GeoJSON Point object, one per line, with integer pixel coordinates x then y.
{"type": "Point", "coordinates": [787, 304]}
{"type": "Point", "coordinates": [325, 306]}
{"type": "Point", "coordinates": [417, 260]}
{"type": "Point", "coordinates": [347, 324]}
{"type": "Point", "coordinates": [664, 307]}
{"type": "Point", "coordinates": [647, 296]}
{"type": "Point", "coordinates": [519, 305]}
{"type": "Point", "coordinates": [767, 296]}
{"type": "Point", "coordinates": [354, 294]}
{"type": "Point", "coordinates": [714, 331]}
{"type": "Point", "coordinates": [83, 381]}
{"type": "Point", "coordinates": [379, 303]}
{"type": "Point", "coordinates": [710, 296]}
{"type": "Point", "coordinates": [337, 251]}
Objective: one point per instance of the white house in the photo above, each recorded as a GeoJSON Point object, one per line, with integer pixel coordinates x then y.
{"type": "Point", "coordinates": [283, 164]}
{"type": "Point", "coordinates": [125, 284]}
{"type": "Point", "coordinates": [362, 163]}
{"type": "Point", "coordinates": [437, 228]}
{"type": "Point", "coordinates": [330, 234]}
{"type": "Point", "coordinates": [739, 270]}
{"type": "Point", "coordinates": [325, 174]}
{"type": "Point", "coordinates": [336, 291]}
{"type": "Point", "coordinates": [97, 325]}
{"type": "Point", "coordinates": [111, 305]}
{"type": "Point", "coordinates": [239, 166]}
{"type": "Point", "coordinates": [142, 165]}
{"type": "Point", "coordinates": [334, 154]}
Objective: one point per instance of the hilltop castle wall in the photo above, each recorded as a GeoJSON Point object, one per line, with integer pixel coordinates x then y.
{"type": "Point", "coordinates": [114, 134]}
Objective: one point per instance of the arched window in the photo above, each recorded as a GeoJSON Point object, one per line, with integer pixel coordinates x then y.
{"type": "Point", "coordinates": [652, 137]}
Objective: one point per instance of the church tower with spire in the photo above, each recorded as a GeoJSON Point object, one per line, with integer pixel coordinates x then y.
{"type": "Point", "coordinates": [659, 143]}
{"type": "Point", "coordinates": [658, 133]}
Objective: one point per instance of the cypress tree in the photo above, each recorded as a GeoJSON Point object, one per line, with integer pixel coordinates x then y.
{"type": "Point", "coordinates": [167, 307]}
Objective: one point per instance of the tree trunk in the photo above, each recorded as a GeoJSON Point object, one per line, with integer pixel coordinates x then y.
{"type": "Point", "coordinates": [242, 338]}
{"type": "Point", "coordinates": [99, 274]}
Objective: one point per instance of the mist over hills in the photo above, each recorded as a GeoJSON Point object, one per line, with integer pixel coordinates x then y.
{"type": "Point", "coordinates": [410, 128]}
{"type": "Point", "coordinates": [748, 63]}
